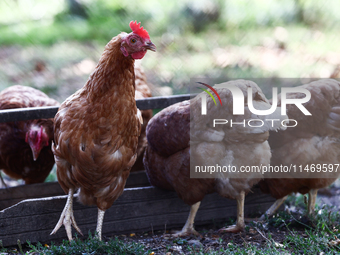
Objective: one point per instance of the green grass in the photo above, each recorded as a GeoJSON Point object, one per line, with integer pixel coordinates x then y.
{"type": "Point", "coordinates": [322, 237]}
{"type": "Point", "coordinates": [91, 245]}
{"type": "Point", "coordinates": [117, 247]}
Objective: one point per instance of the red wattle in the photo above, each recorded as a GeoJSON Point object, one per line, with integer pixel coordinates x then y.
{"type": "Point", "coordinates": [138, 55]}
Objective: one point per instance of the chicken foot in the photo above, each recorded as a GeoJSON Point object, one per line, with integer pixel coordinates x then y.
{"type": "Point", "coordinates": [311, 200]}
{"type": "Point", "coordinates": [189, 225]}
{"type": "Point", "coordinates": [100, 223]}
{"type": "Point", "coordinates": [273, 208]}
{"type": "Point", "coordinates": [67, 217]}
{"type": "Point", "coordinates": [240, 216]}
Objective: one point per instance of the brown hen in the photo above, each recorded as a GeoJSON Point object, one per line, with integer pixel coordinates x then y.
{"type": "Point", "coordinates": [25, 146]}
{"type": "Point", "coordinates": [315, 140]}
{"type": "Point", "coordinates": [172, 146]}
{"type": "Point", "coordinates": [97, 129]}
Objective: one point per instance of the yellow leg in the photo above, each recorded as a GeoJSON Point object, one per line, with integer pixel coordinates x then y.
{"type": "Point", "coordinates": [67, 217]}
{"type": "Point", "coordinates": [273, 208]}
{"type": "Point", "coordinates": [189, 225]}
{"type": "Point", "coordinates": [311, 200]}
{"type": "Point", "coordinates": [100, 223]}
{"type": "Point", "coordinates": [240, 216]}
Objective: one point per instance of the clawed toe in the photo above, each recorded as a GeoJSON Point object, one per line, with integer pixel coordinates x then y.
{"type": "Point", "coordinates": [67, 218]}
{"type": "Point", "coordinates": [231, 229]}
{"type": "Point", "coordinates": [186, 232]}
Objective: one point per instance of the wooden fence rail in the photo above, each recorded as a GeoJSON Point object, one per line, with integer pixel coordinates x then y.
{"type": "Point", "coordinates": [136, 210]}
{"type": "Point", "coordinates": [50, 111]}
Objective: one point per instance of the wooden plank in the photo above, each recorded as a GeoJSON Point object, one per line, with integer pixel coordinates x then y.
{"type": "Point", "coordinates": [136, 210]}
{"type": "Point", "coordinates": [31, 113]}
{"type": "Point", "coordinates": [160, 102]}
{"type": "Point", "coordinates": [14, 195]}
{"type": "Point", "coordinates": [50, 111]}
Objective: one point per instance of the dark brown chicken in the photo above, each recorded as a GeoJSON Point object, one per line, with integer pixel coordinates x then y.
{"type": "Point", "coordinates": [176, 136]}
{"type": "Point", "coordinates": [97, 129]}
{"type": "Point", "coordinates": [25, 146]}
{"type": "Point", "coordinates": [142, 91]}
{"type": "Point", "coordinates": [315, 140]}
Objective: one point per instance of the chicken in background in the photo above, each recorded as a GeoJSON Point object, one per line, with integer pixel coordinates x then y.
{"type": "Point", "coordinates": [25, 146]}
{"type": "Point", "coordinates": [315, 140]}
{"type": "Point", "coordinates": [142, 92]}
{"type": "Point", "coordinates": [171, 145]}
{"type": "Point", "coordinates": [97, 129]}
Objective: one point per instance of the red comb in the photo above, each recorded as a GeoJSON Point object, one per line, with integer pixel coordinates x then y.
{"type": "Point", "coordinates": [137, 29]}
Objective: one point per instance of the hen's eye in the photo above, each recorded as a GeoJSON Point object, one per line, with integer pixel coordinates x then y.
{"type": "Point", "coordinates": [133, 40]}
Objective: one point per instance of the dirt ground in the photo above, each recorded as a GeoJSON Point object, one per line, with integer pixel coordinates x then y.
{"type": "Point", "coordinates": [211, 239]}
{"type": "Point", "coordinates": [257, 234]}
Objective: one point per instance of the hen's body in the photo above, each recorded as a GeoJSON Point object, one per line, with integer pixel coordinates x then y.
{"type": "Point", "coordinates": [16, 158]}
{"type": "Point", "coordinates": [167, 156]}
{"type": "Point", "coordinates": [96, 132]}
{"type": "Point", "coordinates": [315, 140]}
{"type": "Point", "coordinates": [171, 145]}
{"type": "Point", "coordinates": [97, 129]}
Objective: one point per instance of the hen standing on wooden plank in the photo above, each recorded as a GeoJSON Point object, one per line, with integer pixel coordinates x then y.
{"type": "Point", "coordinates": [97, 129]}
{"type": "Point", "coordinates": [315, 140]}
{"type": "Point", "coordinates": [25, 146]}
{"type": "Point", "coordinates": [142, 91]}
{"type": "Point", "coordinates": [170, 147]}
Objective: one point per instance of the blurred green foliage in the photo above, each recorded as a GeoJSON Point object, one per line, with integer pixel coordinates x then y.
{"type": "Point", "coordinates": [47, 22]}
{"type": "Point", "coordinates": [215, 39]}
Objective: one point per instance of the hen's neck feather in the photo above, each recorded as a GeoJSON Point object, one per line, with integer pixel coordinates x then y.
{"type": "Point", "coordinates": [114, 71]}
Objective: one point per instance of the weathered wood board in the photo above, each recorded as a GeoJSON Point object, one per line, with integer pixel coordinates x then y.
{"type": "Point", "coordinates": [31, 113]}
{"type": "Point", "coordinates": [138, 209]}
{"type": "Point", "coordinates": [11, 196]}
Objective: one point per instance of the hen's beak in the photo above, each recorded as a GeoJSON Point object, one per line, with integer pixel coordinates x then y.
{"type": "Point", "coordinates": [35, 150]}
{"type": "Point", "coordinates": [150, 46]}
{"type": "Point", "coordinates": [35, 154]}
